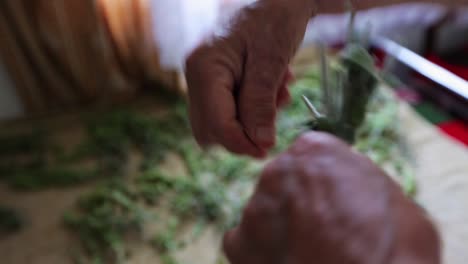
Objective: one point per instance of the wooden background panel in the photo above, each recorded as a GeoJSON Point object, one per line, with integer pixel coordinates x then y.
{"type": "Point", "coordinates": [19, 66]}
{"type": "Point", "coordinates": [73, 53]}
{"type": "Point", "coordinates": [54, 84]}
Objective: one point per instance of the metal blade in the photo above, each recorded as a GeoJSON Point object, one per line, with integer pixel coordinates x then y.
{"type": "Point", "coordinates": [430, 70]}
{"type": "Point", "coordinates": [315, 114]}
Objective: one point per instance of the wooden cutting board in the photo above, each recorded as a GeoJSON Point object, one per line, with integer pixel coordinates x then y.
{"type": "Point", "coordinates": [442, 177]}
{"type": "Point", "coordinates": [441, 171]}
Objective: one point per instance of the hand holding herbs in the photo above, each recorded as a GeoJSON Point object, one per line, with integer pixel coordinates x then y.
{"type": "Point", "coordinates": [322, 202]}
{"type": "Point", "coordinates": [237, 81]}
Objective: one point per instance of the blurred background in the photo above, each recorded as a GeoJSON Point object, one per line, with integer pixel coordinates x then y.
{"type": "Point", "coordinates": [97, 164]}
{"type": "Point", "coordinates": [83, 52]}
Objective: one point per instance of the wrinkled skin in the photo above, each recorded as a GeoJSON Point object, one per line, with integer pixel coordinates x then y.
{"type": "Point", "coordinates": [237, 82]}
{"type": "Point", "coordinates": [238, 79]}
{"type": "Point", "coordinates": [321, 202]}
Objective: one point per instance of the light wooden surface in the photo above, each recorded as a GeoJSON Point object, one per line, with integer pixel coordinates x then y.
{"type": "Point", "coordinates": [442, 174]}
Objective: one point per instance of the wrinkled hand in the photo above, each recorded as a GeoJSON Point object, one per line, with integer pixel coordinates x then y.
{"type": "Point", "coordinates": [320, 202]}
{"type": "Point", "coordinates": [238, 81]}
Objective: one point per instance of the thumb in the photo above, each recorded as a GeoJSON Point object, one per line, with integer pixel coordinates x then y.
{"type": "Point", "coordinates": [232, 246]}
{"type": "Point", "coordinates": [258, 98]}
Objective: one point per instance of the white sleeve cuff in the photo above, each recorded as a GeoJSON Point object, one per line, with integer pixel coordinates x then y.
{"type": "Point", "coordinates": [179, 26]}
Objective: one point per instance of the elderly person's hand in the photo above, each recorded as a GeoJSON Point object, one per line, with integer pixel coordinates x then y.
{"type": "Point", "coordinates": [237, 81]}
{"type": "Point", "coordinates": [321, 202]}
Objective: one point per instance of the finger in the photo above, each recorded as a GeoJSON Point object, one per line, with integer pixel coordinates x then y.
{"type": "Point", "coordinates": [232, 246]}
{"type": "Point", "coordinates": [232, 136]}
{"type": "Point", "coordinates": [258, 98]}
{"type": "Point", "coordinates": [284, 97]}
{"type": "Point", "coordinates": [261, 234]}
{"type": "Point", "coordinates": [211, 104]}
{"type": "Point", "coordinates": [289, 76]}
{"type": "Point", "coordinates": [239, 250]}
{"type": "Point", "coordinates": [213, 118]}
{"type": "Point", "coordinates": [263, 219]}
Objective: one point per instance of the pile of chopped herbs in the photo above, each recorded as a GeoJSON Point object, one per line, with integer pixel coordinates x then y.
{"type": "Point", "coordinates": [211, 189]}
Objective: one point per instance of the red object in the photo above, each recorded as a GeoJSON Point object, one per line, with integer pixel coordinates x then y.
{"type": "Point", "coordinates": [380, 57]}
{"type": "Point", "coordinates": [456, 129]}
{"type": "Point", "coordinates": [461, 71]}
